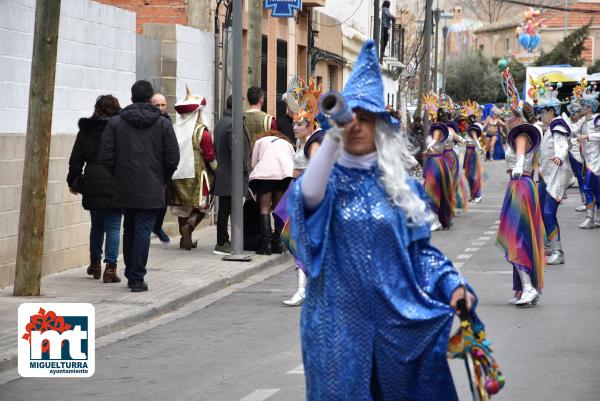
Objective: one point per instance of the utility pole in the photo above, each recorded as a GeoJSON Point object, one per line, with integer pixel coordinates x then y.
{"type": "Point", "coordinates": [237, 151]}
{"type": "Point", "coordinates": [254, 47]}
{"type": "Point", "coordinates": [436, 14]}
{"type": "Point", "coordinates": [424, 72]}
{"type": "Point", "coordinates": [32, 217]}
{"type": "Point", "coordinates": [445, 54]}
{"type": "Point", "coordinates": [377, 26]}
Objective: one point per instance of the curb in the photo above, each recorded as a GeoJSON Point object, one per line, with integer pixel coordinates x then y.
{"type": "Point", "coordinates": [170, 305]}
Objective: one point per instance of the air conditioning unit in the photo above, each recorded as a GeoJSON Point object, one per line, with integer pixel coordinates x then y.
{"type": "Point", "coordinates": [316, 20]}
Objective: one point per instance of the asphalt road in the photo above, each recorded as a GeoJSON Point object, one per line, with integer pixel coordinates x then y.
{"type": "Point", "coordinates": [244, 346]}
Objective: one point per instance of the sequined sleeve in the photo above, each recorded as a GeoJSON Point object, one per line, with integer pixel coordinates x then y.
{"type": "Point", "coordinates": [309, 229]}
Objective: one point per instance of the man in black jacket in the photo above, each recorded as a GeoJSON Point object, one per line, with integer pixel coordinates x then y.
{"type": "Point", "coordinates": [223, 143]}
{"type": "Point", "coordinates": [140, 147]}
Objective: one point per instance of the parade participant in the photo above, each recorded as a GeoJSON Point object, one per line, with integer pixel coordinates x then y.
{"type": "Point", "coordinates": [459, 192]}
{"type": "Point", "coordinates": [190, 196]}
{"type": "Point", "coordinates": [575, 122]}
{"type": "Point", "coordinates": [493, 126]}
{"type": "Point", "coordinates": [303, 98]}
{"type": "Point", "coordinates": [590, 145]}
{"type": "Point", "coordinates": [521, 232]}
{"type": "Point", "coordinates": [437, 174]}
{"type": "Point", "coordinates": [379, 307]}
{"type": "Point", "coordinates": [471, 112]}
{"type": "Point", "coordinates": [472, 164]}
{"type": "Point", "coordinates": [555, 171]}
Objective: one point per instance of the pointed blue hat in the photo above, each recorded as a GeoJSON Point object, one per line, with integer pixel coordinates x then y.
{"type": "Point", "coordinates": [364, 89]}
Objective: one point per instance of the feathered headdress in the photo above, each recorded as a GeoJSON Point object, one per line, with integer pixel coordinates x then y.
{"type": "Point", "coordinates": [470, 108]}
{"type": "Point", "coordinates": [431, 104]}
{"type": "Point", "coordinates": [447, 104]}
{"type": "Point", "coordinates": [307, 100]}
{"type": "Point", "coordinates": [586, 94]}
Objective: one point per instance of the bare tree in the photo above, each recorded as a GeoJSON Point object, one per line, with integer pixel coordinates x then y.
{"type": "Point", "coordinates": [491, 11]}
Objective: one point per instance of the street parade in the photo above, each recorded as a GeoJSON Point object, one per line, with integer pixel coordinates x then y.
{"type": "Point", "coordinates": [316, 200]}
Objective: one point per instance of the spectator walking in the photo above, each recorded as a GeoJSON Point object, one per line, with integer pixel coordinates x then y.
{"type": "Point", "coordinates": [89, 177]}
{"type": "Point", "coordinates": [140, 148]}
{"type": "Point", "coordinates": [160, 102]}
{"type": "Point", "coordinates": [273, 168]}
{"type": "Point", "coordinates": [257, 121]}
{"type": "Point", "coordinates": [190, 194]}
{"type": "Point", "coordinates": [222, 188]}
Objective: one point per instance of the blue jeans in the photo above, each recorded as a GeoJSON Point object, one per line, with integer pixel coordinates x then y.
{"type": "Point", "coordinates": [105, 223]}
{"type": "Point", "coordinates": [137, 228]}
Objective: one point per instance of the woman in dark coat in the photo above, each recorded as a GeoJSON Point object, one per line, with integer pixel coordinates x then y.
{"type": "Point", "coordinates": [92, 179]}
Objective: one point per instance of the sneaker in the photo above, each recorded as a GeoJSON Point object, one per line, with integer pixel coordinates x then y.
{"type": "Point", "coordinates": [163, 237]}
{"type": "Point", "coordinates": [139, 287]}
{"type": "Point", "coordinates": [587, 223]}
{"type": "Point", "coordinates": [223, 250]}
{"type": "Point", "coordinates": [581, 208]}
{"type": "Point", "coordinates": [477, 200]}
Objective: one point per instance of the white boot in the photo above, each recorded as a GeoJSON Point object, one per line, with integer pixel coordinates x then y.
{"type": "Point", "coordinates": [582, 207]}
{"type": "Point", "coordinates": [477, 200]}
{"type": "Point", "coordinates": [530, 294]}
{"type": "Point", "coordinates": [298, 298]}
{"type": "Point", "coordinates": [436, 226]}
{"type": "Point", "coordinates": [557, 256]}
{"type": "Point", "coordinates": [589, 220]}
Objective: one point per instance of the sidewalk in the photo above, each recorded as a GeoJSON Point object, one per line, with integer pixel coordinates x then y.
{"type": "Point", "coordinates": [175, 277]}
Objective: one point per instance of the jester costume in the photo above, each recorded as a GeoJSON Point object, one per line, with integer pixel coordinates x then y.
{"type": "Point", "coordinates": [459, 191]}
{"type": "Point", "coordinates": [376, 320]}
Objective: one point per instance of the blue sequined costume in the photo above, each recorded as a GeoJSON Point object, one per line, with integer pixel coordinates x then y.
{"type": "Point", "coordinates": [376, 320]}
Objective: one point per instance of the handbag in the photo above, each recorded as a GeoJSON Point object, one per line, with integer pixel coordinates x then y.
{"type": "Point", "coordinates": [207, 199]}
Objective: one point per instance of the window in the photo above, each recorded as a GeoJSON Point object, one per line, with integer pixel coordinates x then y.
{"type": "Point", "coordinates": [282, 64]}
{"type": "Point", "coordinates": [263, 71]}
{"type": "Point", "coordinates": [481, 48]}
{"type": "Point", "coordinates": [507, 40]}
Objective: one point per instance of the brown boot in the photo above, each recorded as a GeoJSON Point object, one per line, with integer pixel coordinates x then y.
{"type": "Point", "coordinates": [110, 274]}
{"type": "Point", "coordinates": [95, 269]}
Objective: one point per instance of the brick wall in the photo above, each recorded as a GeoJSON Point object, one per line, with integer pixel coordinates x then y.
{"type": "Point", "coordinates": [96, 55]}
{"type": "Point", "coordinates": [154, 11]}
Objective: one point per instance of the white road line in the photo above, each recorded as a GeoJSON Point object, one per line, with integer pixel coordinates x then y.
{"type": "Point", "coordinates": [490, 232]}
{"type": "Point", "coordinates": [261, 394]}
{"type": "Point", "coordinates": [478, 243]}
{"type": "Point", "coordinates": [463, 256]}
{"type": "Point", "coordinates": [471, 249]}
{"type": "Point", "coordinates": [299, 370]}
{"type": "Point", "coordinates": [483, 238]}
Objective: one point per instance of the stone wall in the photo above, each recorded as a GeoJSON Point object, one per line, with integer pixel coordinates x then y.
{"type": "Point", "coordinates": [96, 55]}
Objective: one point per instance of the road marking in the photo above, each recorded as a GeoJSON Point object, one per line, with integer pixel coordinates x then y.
{"type": "Point", "coordinates": [471, 249]}
{"type": "Point", "coordinates": [483, 238]}
{"type": "Point", "coordinates": [463, 256]}
{"type": "Point", "coordinates": [490, 232]}
{"type": "Point", "coordinates": [299, 370]}
{"type": "Point", "coordinates": [477, 243]}
{"type": "Point", "coordinates": [458, 265]}
{"type": "Point", "coordinates": [261, 394]}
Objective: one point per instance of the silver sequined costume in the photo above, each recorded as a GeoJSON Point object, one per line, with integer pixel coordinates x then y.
{"type": "Point", "coordinates": [591, 147]}
{"type": "Point", "coordinates": [555, 143]}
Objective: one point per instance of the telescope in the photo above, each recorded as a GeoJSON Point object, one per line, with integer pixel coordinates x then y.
{"type": "Point", "coordinates": [333, 106]}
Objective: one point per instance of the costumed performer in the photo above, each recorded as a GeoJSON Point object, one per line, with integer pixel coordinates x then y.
{"type": "Point", "coordinates": [590, 148]}
{"type": "Point", "coordinates": [554, 168]}
{"type": "Point", "coordinates": [379, 305]}
{"type": "Point", "coordinates": [575, 121]}
{"type": "Point", "coordinates": [493, 131]}
{"type": "Point", "coordinates": [306, 99]}
{"type": "Point", "coordinates": [472, 165]}
{"type": "Point", "coordinates": [190, 195]}
{"type": "Point", "coordinates": [459, 191]}
{"type": "Point", "coordinates": [437, 174]}
{"type": "Point", "coordinates": [521, 232]}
